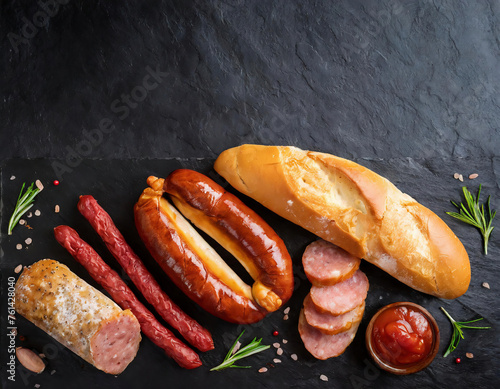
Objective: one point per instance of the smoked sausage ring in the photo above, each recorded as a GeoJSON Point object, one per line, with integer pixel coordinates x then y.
{"type": "Point", "coordinates": [194, 266]}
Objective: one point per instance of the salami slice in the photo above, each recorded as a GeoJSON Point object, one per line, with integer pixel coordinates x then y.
{"type": "Point", "coordinates": [342, 297]}
{"type": "Point", "coordinates": [328, 323]}
{"type": "Point", "coordinates": [326, 264]}
{"type": "Point", "coordinates": [323, 346]}
{"type": "Point", "coordinates": [78, 316]}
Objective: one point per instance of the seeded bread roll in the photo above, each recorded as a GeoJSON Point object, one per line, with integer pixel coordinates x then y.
{"type": "Point", "coordinates": [354, 208]}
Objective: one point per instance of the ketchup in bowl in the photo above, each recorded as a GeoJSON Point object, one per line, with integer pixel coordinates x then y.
{"type": "Point", "coordinates": [402, 338]}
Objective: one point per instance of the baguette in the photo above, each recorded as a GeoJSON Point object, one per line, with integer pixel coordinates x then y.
{"type": "Point", "coordinates": [354, 208]}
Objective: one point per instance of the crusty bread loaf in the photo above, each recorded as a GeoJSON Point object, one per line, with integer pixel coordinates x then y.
{"type": "Point", "coordinates": [354, 208]}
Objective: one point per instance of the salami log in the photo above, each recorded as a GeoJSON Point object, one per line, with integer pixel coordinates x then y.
{"type": "Point", "coordinates": [121, 293]}
{"type": "Point", "coordinates": [78, 316]}
{"type": "Point", "coordinates": [102, 223]}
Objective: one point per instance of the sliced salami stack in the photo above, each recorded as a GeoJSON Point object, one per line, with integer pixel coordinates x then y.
{"type": "Point", "coordinates": [335, 305]}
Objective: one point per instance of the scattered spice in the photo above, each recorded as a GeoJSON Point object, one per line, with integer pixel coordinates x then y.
{"type": "Point", "coordinates": [473, 176]}
{"type": "Point", "coordinates": [458, 360]}
{"type": "Point", "coordinates": [286, 311]}
{"type": "Point", "coordinates": [30, 214]}
{"type": "Point", "coordinates": [285, 341]}
{"type": "Point", "coordinates": [285, 317]}
{"type": "Point", "coordinates": [28, 241]}
{"type": "Point", "coordinates": [57, 209]}
{"type": "Point", "coordinates": [52, 372]}
{"type": "Point", "coordinates": [56, 182]}
{"type": "Point", "coordinates": [279, 351]}
{"type": "Point", "coordinates": [37, 386]}
{"type": "Point", "coordinates": [275, 333]}
{"type": "Point", "coordinates": [486, 285]}
{"type": "Point", "coordinates": [294, 357]}
{"type": "Point", "coordinates": [461, 178]}
{"type": "Point", "coordinates": [456, 175]}
{"type": "Point", "coordinates": [19, 246]}
{"type": "Point", "coordinates": [323, 377]}
{"type": "Point", "coordinates": [276, 345]}
{"type": "Point", "coordinates": [22, 222]}
{"type": "Point", "coordinates": [18, 268]}
{"type": "Point", "coordinates": [469, 355]}
{"type": "Point", "coordinates": [276, 360]}
{"type": "Point", "coordinates": [12, 178]}
{"type": "Point", "coordinates": [262, 369]}
{"type": "Point", "coordinates": [39, 185]}
{"type": "Point", "coordinates": [37, 212]}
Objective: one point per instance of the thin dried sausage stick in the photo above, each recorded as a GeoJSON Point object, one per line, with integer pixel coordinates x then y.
{"type": "Point", "coordinates": [102, 223]}
{"type": "Point", "coordinates": [124, 297]}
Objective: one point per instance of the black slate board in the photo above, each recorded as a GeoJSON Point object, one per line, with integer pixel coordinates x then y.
{"type": "Point", "coordinates": [116, 184]}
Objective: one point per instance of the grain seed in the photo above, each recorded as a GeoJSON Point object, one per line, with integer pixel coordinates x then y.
{"type": "Point", "coordinates": [323, 377]}
{"type": "Point", "coordinates": [37, 212]}
{"type": "Point", "coordinates": [456, 176]}
{"type": "Point", "coordinates": [39, 184]}
{"type": "Point", "coordinates": [279, 351]}
{"type": "Point", "coordinates": [262, 369]}
{"type": "Point", "coordinates": [19, 246]}
{"type": "Point", "coordinates": [286, 311]}
{"type": "Point", "coordinates": [57, 209]}
{"type": "Point", "coordinates": [276, 360]}
{"type": "Point", "coordinates": [285, 317]}
{"type": "Point", "coordinates": [30, 360]}
{"type": "Point", "coordinates": [473, 176]}
{"type": "Point", "coordinates": [22, 222]}
{"type": "Point", "coordinates": [469, 355]}
{"type": "Point", "coordinates": [29, 214]}
{"type": "Point", "coordinates": [28, 241]}
{"type": "Point", "coordinates": [486, 285]}
{"type": "Point", "coordinates": [461, 178]}
{"type": "Point", "coordinates": [294, 357]}
{"type": "Point", "coordinates": [12, 178]}
{"type": "Point", "coordinates": [285, 341]}
{"type": "Point", "coordinates": [276, 345]}
{"type": "Point", "coordinates": [18, 268]}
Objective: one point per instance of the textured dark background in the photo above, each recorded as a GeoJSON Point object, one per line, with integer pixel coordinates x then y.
{"type": "Point", "coordinates": [408, 88]}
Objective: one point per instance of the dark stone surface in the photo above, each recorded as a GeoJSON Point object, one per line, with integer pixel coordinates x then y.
{"type": "Point", "coordinates": [407, 88]}
{"type": "Point", "coordinates": [116, 184]}
{"type": "Point", "coordinates": [356, 78]}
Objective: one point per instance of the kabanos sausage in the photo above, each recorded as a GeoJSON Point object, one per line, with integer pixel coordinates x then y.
{"type": "Point", "coordinates": [78, 316]}
{"type": "Point", "coordinates": [121, 293]}
{"type": "Point", "coordinates": [102, 223]}
{"type": "Point", "coordinates": [195, 267]}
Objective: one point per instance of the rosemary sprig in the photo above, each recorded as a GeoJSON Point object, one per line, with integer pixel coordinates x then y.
{"type": "Point", "coordinates": [24, 203]}
{"type": "Point", "coordinates": [252, 348]}
{"type": "Point", "coordinates": [474, 214]}
{"type": "Point", "coordinates": [457, 331]}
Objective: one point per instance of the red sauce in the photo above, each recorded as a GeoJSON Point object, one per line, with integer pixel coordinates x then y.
{"type": "Point", "coordinates": [402, 336]}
